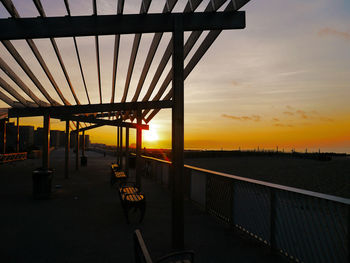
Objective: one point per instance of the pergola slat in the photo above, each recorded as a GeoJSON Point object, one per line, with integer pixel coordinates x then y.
{"type": "Point", "coordinates": [78, 55]}
{"type": "Point", "coordinates": [57, 52]}
{"type": "Point", "coordinates": [12, 50]}
{"type": "Point", "coordinates": [135, 46]}
{"type": "Point", "coordinates": [9, 72]}
{"type": "Point", "coordinates": [14, 13]}
{"type": "Point", "coordinates": [207, 42]}
{"type": "Point", "coordinates": [12, 92]}
{"type": "Point", "coordinates": [166, 56]}
{"type": "Point", "coordinates": [97, 48]}
{"type": "Point", "coordinates": [191, 41]}
{"type": "Point", "coordinates": [6, 99]}
{"type": "Point", "coordinates": [120, 8]}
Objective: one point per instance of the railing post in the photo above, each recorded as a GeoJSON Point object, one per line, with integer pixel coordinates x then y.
{"type": "Point", "coordinates": [178, 137]}
{"type": "Point", "coordinates": [118, 141]}
{"type": "Point", "coordinates": [127, 151]}
{"type": "Point", "coordinates": [66, 156]}
{"type": "Point", "coordinates": [46, 142]}
{"type": "Point", "coordinates": [17, 137]}
{"type": "Point", "coordinates": [121, 147]}
{"type": "Point", "coordinates": [83, 145]}
{"type": "Point", "coordinates": [77, 148]}
{"type": "Point", "coordinates": [4, 136]}
{"type": "Point", "coordinates": [138, 148]}
{"type": "Point", "coordinates": [272, 219]}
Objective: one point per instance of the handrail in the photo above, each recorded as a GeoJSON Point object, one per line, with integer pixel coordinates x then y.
{"type": "Point", "coordinates": [12, 157]}
{"type": "Point", "coordinates": [271, 185]}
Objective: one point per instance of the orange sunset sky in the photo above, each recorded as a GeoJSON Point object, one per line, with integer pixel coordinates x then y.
{"type": "Point", "coordinates": [283, 81]}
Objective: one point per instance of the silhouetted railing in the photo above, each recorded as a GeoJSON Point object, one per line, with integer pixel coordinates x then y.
{"type": "Point", "coordinates": [12, 157]}
{"type": "Point", "coordinates": [305, 226]}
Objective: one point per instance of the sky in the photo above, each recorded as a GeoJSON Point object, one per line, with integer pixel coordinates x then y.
{"type": "Point", "coordinates": [281, 82]}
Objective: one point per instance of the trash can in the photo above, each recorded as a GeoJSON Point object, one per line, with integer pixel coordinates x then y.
{"type": "Point", "coordinates": [42, 179]}
{"type": "Point", "coordinates": [83, 160]}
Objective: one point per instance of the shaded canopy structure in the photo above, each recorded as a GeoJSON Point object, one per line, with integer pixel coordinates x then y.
{"type": "Point", "coordinates": [138, 101]}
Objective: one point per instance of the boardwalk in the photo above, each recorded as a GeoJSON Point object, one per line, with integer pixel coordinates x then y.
{"type": "Point", "coordinates": [83, 222]}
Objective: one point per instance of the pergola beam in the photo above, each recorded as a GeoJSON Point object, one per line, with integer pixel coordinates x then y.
{"type": "Point", "coordinates": [91, 108]}
{"type": "Point", "coordinates": [101, 121]}
{"type": "Point", "coordinates": [51, 27]}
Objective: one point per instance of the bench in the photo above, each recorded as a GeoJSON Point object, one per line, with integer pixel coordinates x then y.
{"type": "Point", "coordinates": [142, 254]}
{"type": "Point", "coordinates": [131, 197]}
{"type": "Point", "coordinates": [116, 174]}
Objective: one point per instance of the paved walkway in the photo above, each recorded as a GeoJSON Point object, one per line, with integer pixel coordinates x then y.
{"type": "Point", "coordinates": [83, 221]}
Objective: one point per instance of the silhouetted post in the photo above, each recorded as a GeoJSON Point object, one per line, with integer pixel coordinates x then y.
{"type": "Point", "coordinates": [17, 137]}
{"type": "Point", "coordinates": [138, 147]}
{"type": "Point", "coordinates": [66, 155]}
{"type": "Point", "coordinates": [77, 148]}
{"type": "Point", "coordinates": [121, 147]}
{"type": "Point", "coordinates": [46, 142]}
{"type": "Point", "coordinates": [127, 151]}
{"type": "Point", "coordinates": [178, 137]}
{"type": "Point", "coordinates": [3, 122]}
{"type": "Point", "coordinates": [83, 145]}
{"type": "Point", "coordinates": [118, 145]}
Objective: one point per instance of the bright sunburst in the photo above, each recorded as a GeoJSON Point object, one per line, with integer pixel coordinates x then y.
{"type": "Point", "coordinates": [151, 135]}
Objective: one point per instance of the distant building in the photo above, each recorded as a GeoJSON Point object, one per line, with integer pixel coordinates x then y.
{"type": "Point", "coordinates": [26, 137]}
{"type": "Point", "coordinates": [57, 138]}
{"type": "Point", "coordinates": [38, 137]}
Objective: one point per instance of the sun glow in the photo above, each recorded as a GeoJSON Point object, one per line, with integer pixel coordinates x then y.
{"type": "Point", "coordinates": [151, 135]}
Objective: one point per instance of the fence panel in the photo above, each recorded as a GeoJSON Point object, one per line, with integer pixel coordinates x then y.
{"type": "Point", "coordinates": [198, 187]}
{"type": "Point", "coordinates": [251, 210]}
{"type": "Point", "coordinates": [303, 225]}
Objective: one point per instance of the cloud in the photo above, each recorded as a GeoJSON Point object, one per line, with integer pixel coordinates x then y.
{"type": "Point", "coordinates": [282, 125]}
{"type": "Point", "coordinates": [335, 33]}
{"type": "Point", "coordinates": [242, 118]}
{"type": "Point", "coordinates": [302, 114]}
{"type": "Point", "coordinates": [275, 119]}
{"type": "Point", "coordinates": [234, 83]}
{"type": "Point", "coordinates": [288, 113]}
{"type": "Point", "coordinates": [326, 119]}
{"type": "Point", "coordinates": [289, 107]}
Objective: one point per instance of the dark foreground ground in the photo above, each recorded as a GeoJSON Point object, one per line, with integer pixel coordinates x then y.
{"type": "Point", "coordinates": [83, 222]}
{"type": "Point", "coordinates": [329, 177]}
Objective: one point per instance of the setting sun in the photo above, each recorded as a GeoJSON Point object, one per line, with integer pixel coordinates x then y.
{"type": "Point", "coordinates": [151, 135]}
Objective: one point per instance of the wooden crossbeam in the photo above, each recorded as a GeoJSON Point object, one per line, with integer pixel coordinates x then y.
{"type": "Point", "coordinates": [51, 27]}
{"type": "Point", "coordinates": [90, 119]}
{"type": "Point", "coordinates": [91, 108]}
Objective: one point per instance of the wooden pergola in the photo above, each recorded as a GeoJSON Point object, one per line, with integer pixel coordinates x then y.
{"type": "Point", "coordinates": [135, 113]}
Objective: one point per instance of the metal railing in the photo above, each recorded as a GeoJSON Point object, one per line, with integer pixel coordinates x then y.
{"type": "Point", "coordinates": [305, 226]}
{"type": "Point", "coordinates": [12, 157]}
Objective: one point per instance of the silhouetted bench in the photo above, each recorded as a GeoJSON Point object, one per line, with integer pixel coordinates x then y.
{"type": "Point", "coordinates": [116, 174]}
{"type": "Point", "coordinates": [131, 197]}
{"type": "Point", "coordinates": [142, 254]}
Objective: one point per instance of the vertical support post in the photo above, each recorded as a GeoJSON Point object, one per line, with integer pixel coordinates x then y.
{"type": "Point", "coordinates": [178, 137]}
{"type": "Point", "coordinates": [83, 145]}
{"type": "Point", "coordinates": [4, 137]}
{"type": "Point", "coordinates": [66, 155]}
{"type": "Point", "coordinates": [138, 147]}
{"type": "Point", "coordinates": [118, 145]}
{"type": "Point", "coordinates": [46, 142]}
{"type": "Point", "coordinates": [121, 147]}
{"type": "Point", "coordinates": [77, 148]}
{"type": "Point", "coordinates": [272, 219]}
{"type": "Point", "coordinates": [17, 137]}
{"type": "Point", "coordinates": [127, 151]}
